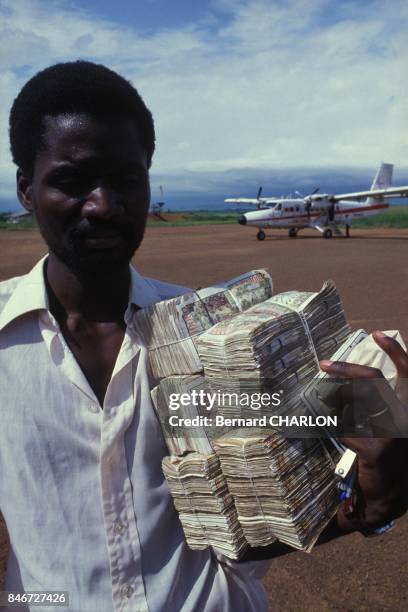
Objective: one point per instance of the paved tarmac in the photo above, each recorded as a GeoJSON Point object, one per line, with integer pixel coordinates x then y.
{"type": "Point", "coordinates": [352, 573]}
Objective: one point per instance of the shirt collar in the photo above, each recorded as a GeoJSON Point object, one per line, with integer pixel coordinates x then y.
{"type": "Point", "coordinates": [142, 293]}
{"type": "Point", "coordinates": [30, 294]}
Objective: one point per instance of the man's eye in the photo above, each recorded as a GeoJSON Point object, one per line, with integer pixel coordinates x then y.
{"type": "Point", "coordinates": [127, 182]}
{"type": "Point", "coordinates": [131, 179]}
{"type": "Point", "coordinates": [72, 185]}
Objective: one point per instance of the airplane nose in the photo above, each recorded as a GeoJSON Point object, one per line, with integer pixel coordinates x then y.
{"type": "Point", "coordinates": [242, 220]}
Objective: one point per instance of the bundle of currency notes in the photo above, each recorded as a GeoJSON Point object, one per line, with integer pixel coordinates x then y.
{"type": "Point", "coordinates": [266, 345]}
{"type": "Point", "coordinates": [169, 329]}
{"type": "Point", "coordinates": [267, 487]}
{"type": "Point", "coordinates": [277, 343]}
{"type": "Point", "coordinates": [179, 438]}
{"type": "Point", "coordinates": [322, 314]}
{"type": "Point", "coordinates": [205, 506]}
{"type": "Point", "coordinates": [282, 488]}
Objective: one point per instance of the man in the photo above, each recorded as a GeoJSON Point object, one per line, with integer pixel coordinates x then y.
{"type": "Point", "coordinates": [82, 491]}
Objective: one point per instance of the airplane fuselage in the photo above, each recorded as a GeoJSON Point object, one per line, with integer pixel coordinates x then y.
{"type": "Point", "coordinates": [294, 213]}
{"type": "Point", "coordinates": [321, 211]}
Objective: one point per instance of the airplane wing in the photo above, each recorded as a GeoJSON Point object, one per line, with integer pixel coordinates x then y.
{"type": "Point", "coordinates": [253, 201]}
{"type": "Point", "coordinates": [390, 192]}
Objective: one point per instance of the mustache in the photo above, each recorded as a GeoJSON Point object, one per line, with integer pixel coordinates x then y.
{"type": "Point", "coordinates": [89, 229]}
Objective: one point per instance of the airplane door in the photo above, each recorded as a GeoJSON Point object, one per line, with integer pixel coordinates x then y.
{"type": "Point", "coordinates": [277, 211]}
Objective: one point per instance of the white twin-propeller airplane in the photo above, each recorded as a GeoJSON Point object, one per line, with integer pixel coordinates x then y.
{"type": "Point", "coordinates": [322, 211]}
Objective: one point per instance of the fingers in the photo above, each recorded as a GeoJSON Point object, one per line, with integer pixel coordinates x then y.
{"type": "Point", "coordinates": [342, 369]}
{"type": "Point", "coordinates": [395, 352]}
{"type": "Point", "coordinates": [382, 410]}
{"type": "Point", "coordinates": [364, 407]}
{"type": "Point", "coordinates": [369, 402]}
{"type": "Point", "coordinates": [390, 346]}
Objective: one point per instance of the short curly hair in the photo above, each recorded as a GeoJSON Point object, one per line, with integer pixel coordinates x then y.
{"type": "Point", "coordinates": [73, 87]}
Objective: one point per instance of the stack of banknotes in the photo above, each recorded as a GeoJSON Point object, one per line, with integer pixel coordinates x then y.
{"type": "Point", "coordinates": [179, 438]}
{"type": "Point", "coordinates": [205, 506]}
{"type": "Point", "coordinates": [277, 343]}
{"type": "Point", "coordinates": [258, 487]}
{"type": "Point", "coordinates": [282, 488]}
{"type": "Point", "coordinates": [322, 314]}
{"type": "Point", "coordinates": [266, 345]}
{"type": "Point", "coordinates": [234, 488]}
{"type": "Point", "coordinates": [169, 329]}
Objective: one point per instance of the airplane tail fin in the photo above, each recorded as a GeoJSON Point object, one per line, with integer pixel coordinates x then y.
{"type": "Point", "coordinates": [382, 180]}
{"type": "Point", "coordinates": [383, 177]}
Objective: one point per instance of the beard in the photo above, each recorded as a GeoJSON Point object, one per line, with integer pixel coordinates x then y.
{"type": "Point", "coordinates": [93, 263]}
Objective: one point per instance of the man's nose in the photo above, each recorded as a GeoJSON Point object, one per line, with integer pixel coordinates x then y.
{"type": "Point", "coordinates": [103, 203]}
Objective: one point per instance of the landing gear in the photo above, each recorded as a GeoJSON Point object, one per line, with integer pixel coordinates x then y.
{"type": "Point", "coordinates": [347, 231]}
{"type": "Point", "coordinates": [327, 233]}
{"type": "Point", "coordinates": [292, 233]}
{"type": "Point", "coordinates": [261, 235]}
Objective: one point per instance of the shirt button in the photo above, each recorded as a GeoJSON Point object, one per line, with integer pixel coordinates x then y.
{"type": "Point", "coordinates": [126, 590]}
{"type": "Point", "coordinates": [93, 408]}
{"type": "Point", "coordinates": [119, 528]}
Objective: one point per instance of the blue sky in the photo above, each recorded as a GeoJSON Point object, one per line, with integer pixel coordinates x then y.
{"type": "Point", "coordinates": [232, 83]}
{"type": "Point", "coordinates": [149, 15]}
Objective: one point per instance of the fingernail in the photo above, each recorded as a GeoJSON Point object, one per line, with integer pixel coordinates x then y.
{"type": "Point", "coordinates": [379, 334]}
{"type": "Point", "coordinates": [326, 363]}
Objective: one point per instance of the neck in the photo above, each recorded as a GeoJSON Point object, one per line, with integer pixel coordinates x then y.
{"type": "Point", "coordinates": [97, 298]}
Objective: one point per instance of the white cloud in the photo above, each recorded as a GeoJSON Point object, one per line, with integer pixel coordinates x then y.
{"type": "Point", "coordinates": [278, 83]}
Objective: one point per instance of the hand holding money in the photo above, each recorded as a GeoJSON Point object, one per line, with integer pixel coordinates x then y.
{"type": "Point", "coordinates": [382, 480]}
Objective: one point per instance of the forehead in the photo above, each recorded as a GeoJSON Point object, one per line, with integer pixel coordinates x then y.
{"type": "Point", "coordinates": [70, 137]}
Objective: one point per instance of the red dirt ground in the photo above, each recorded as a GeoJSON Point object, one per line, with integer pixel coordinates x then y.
{"type": "Point", "coordinates": [353, 573]}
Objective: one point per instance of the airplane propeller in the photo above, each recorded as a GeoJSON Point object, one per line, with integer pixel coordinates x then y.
{"type": "Point", "coordinates": [158, 206]}
{"type": "Point", "coordinates": [258, 195]}
{"type": "Point", "coordinates": [309, 199]}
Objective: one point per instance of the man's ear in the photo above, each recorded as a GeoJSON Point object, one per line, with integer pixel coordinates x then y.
{"type": "Point", "coordinates": [24, 190]}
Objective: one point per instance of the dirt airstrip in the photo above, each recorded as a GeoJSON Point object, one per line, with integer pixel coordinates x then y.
{"type": "Point", "coordinates": [370, 270]}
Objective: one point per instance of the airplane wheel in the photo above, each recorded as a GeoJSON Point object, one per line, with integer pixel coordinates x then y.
{"type": "Point", "coordinates": [292, 233]}
{"type": "Point", "coordinates": [260, 235]}
{"type": "Point", "coordinates": [327, 233]}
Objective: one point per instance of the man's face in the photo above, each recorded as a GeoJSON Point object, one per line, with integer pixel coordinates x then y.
{"type": "Point", "coordinates": [90, 191]}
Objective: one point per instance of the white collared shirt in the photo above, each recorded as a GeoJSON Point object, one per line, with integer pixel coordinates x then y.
{"type": "Point", "coordinates": [81, 489]}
